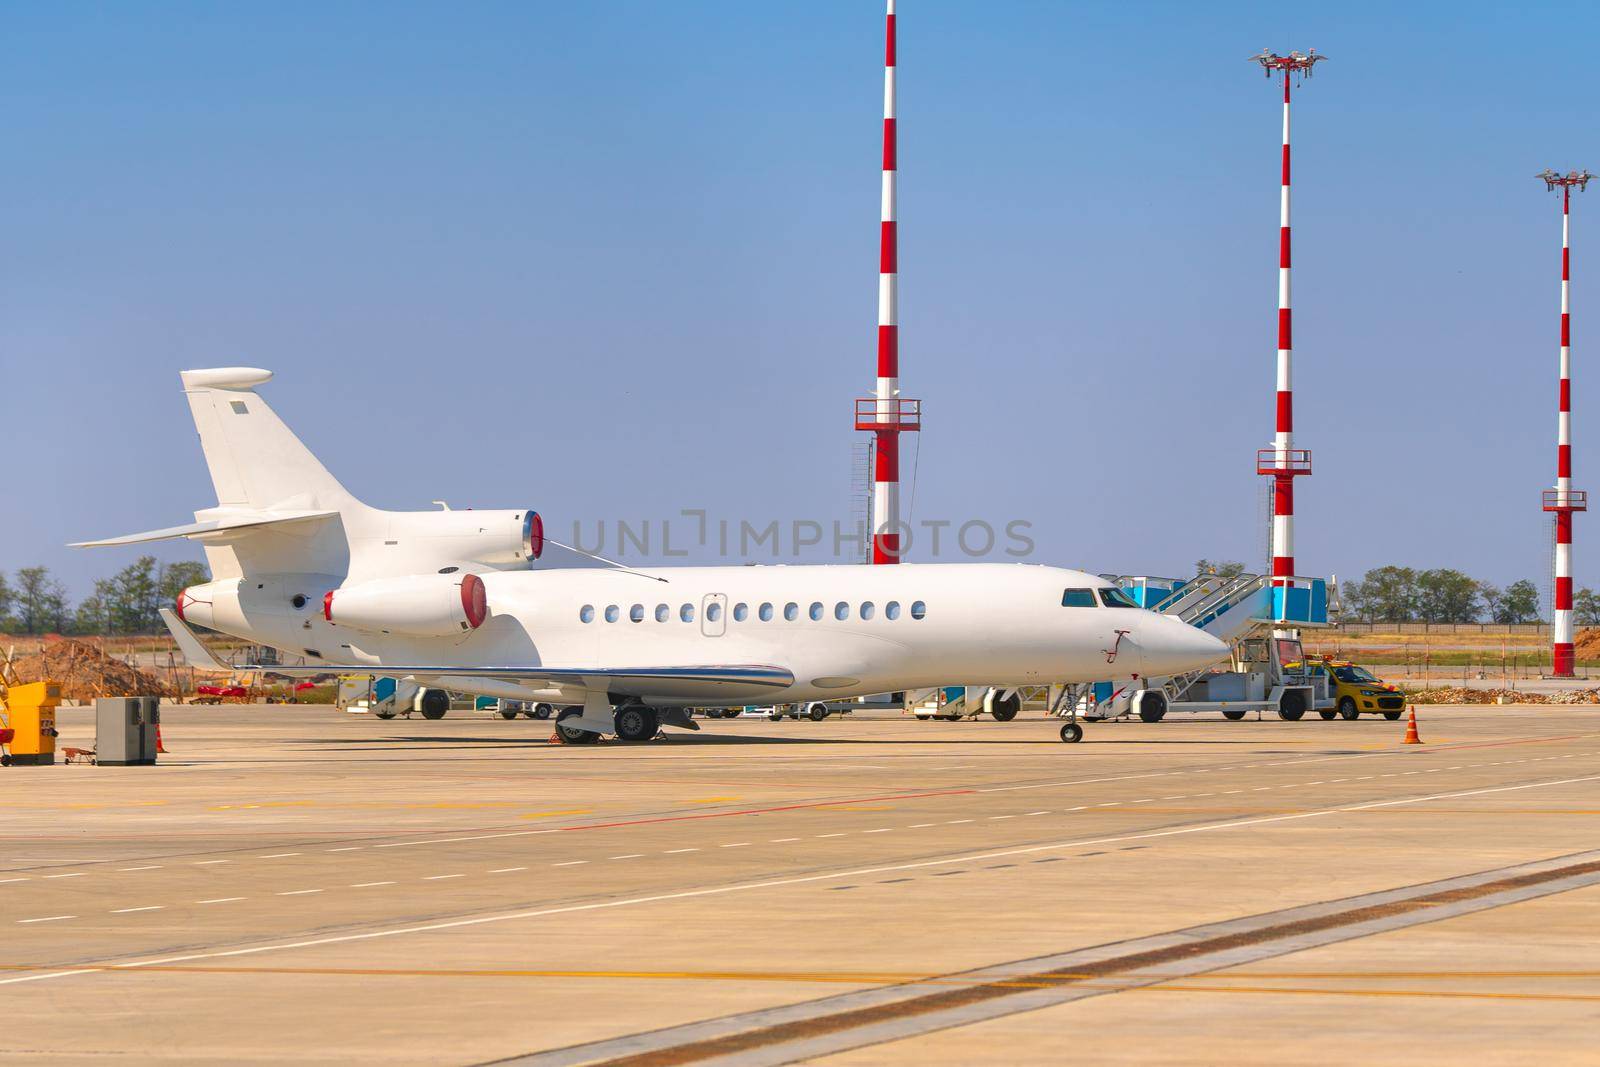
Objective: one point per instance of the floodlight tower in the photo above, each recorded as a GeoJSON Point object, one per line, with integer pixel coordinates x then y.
{"type": "Point", "coordinates": [886, 414]}
{"type": "Point", "coordinates": [1283, 463]}
{"type": "Point", "coordinates": [1563, 500]}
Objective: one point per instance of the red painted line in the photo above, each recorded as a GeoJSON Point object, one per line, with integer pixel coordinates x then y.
{"type": "Point", "coordinates": [1447, 747]}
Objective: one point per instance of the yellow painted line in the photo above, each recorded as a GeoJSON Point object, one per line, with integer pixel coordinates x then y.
{"type": "Point", "coordinates": [1187, 985]}
{"type": "Point", "coordinates": [1452, 994]}
{"type": "Point", "coordinates": [556, 814]}
{"type": "Point", "coordinates": [1335, 975]}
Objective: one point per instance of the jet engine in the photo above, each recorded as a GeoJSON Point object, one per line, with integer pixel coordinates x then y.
{"type": "Point", "coordinates": [427, 539]}
{"type": "Point", "coordinates": [423, 605]}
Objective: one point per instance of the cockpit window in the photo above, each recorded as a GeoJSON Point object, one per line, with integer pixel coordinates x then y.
{"type": "Point", "coordinates": [1078, 598]}
{"type": "Point", "coordinates": [1116, 598]}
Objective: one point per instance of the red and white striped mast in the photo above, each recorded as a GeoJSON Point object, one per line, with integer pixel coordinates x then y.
{"type": "Point", "coordinates": [1283, 463]}
{"type": "Point", "coordinates": [1563, 500]}
{"type": "Point", "coordinates": [886, 414]}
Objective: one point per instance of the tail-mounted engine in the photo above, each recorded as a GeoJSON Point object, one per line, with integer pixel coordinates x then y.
{"type": "Point", "coordinates": [422, 542]}
{"type": "Point", "coordinates": [423, 605]}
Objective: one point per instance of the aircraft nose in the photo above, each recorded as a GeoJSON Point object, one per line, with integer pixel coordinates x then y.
{"type": "Point", "coordinates": [1171, 647]}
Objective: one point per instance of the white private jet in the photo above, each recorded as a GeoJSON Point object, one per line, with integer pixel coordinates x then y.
{"type": "Point", "coordinates": [450, 599]}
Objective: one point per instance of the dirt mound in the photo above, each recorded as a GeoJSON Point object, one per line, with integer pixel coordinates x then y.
{"type": "Point", "coordinates": [86, 672]}
{"type": "Point", "coordinates": [1587, 644]}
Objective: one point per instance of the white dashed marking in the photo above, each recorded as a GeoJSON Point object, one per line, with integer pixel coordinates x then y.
{"type": "Point", "coordinates": [74, 874]}
{"type": "Point", "coordinates": [368, 885]}
{"type": "Point", "coordinates": [219, 900]}
{"type": "Point", "coordinates": [507, 870]}
{"type": "Point", "coordinates": [298, 892]}
{"type": "Point", "coordinates": [147, 907]}
{"type": "Point", "coordinates": [47, 919]}
{"type": "Point", "coordinates": [441, 877]}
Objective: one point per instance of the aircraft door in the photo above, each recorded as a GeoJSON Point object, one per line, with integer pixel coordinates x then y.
{"type": "Point", "coordinates": [714, 614]}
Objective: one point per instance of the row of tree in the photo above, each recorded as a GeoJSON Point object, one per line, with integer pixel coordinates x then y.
{"type": "Point", "coordinates": [1405, 594]}
{"type": "Point", "coordinates": [33, 602]}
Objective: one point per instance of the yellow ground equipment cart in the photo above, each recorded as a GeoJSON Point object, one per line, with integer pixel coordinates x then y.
{"type": "Point", "coordinates": [30, 713]}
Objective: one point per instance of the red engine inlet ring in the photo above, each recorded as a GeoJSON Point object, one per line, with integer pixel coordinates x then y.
{"type": "Point", "coordinates": [473, 600]}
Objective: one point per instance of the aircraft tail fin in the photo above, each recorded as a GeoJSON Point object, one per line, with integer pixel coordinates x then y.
{"type": "Point", "coordinates": [255, 460]}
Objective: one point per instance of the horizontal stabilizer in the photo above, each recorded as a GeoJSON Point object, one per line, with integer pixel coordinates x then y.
{"type": "Point", "coordinates": [210, 526]}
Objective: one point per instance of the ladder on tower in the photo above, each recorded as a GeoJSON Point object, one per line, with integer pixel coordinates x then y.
{"type": "Point", "coordinates": [861, 495]}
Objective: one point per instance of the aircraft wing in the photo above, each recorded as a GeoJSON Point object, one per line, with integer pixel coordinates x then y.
{"type": "Point", "coordinates": [674, 681]}
{"type": "Point", "coordinates": [652, 678]}
{"type": "Point", "coordinates": [209, 526]}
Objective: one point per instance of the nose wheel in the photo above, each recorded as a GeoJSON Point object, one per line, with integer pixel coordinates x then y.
{"type": "Point", "coordinates": [1071, 733]}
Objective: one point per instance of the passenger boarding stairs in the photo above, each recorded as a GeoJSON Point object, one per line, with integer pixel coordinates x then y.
{"type": "Point", "coordinates": [1226, 607]}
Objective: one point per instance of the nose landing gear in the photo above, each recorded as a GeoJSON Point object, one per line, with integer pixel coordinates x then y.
{"type": "Point", "coordinates": [1071, 732]}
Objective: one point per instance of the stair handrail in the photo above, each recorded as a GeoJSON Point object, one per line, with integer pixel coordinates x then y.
{"type": "Point", "coordinates": [1224, 598]}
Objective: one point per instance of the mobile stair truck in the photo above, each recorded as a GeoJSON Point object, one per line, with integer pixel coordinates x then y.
{"type": "Point", "coordinates": [1266, 672]}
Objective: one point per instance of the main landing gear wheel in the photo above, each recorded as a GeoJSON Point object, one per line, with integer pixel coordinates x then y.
{"type": "Point", "coordinates": [574, 735]}
{"type": "Point", "coordinates": [1293, 705]}
{"type": "Point", "coordinates": [1005, 710]}
{"type": "Point", "coordinates": [435, 702]}
{"type": "Point", "coordinates": [637, 723]}
{"type": "Point", "coordinates": [1071, 733]}
{"type": "Point", "coordinates": [1234, 715]}
{"type": "Point", "coordinates": [1347, 709]}
{"type": "Point", "coordinates": [538, 711]}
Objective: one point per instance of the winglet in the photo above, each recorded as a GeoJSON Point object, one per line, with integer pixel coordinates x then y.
{"type": "Point", "coordinates": [199, 657]}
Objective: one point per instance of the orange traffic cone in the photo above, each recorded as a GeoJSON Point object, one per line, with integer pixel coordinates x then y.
{"type": "Point", "coordinates": [1411, 728]}
{"type": "Point", "coordinates": [160, 748]}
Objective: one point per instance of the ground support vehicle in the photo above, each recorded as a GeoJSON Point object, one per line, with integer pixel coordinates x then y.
{"type": "Point", "coordinates": [1356, 691]}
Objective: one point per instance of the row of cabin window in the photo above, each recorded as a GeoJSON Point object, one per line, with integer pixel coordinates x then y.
{"type": "Point", "coordinates": [1084, 598]}
{"type": "Point", "coordinates": [741, 611]}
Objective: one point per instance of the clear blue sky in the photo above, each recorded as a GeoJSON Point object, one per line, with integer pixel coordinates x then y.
{"type": "Point", "coordinates": [619, 259]}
